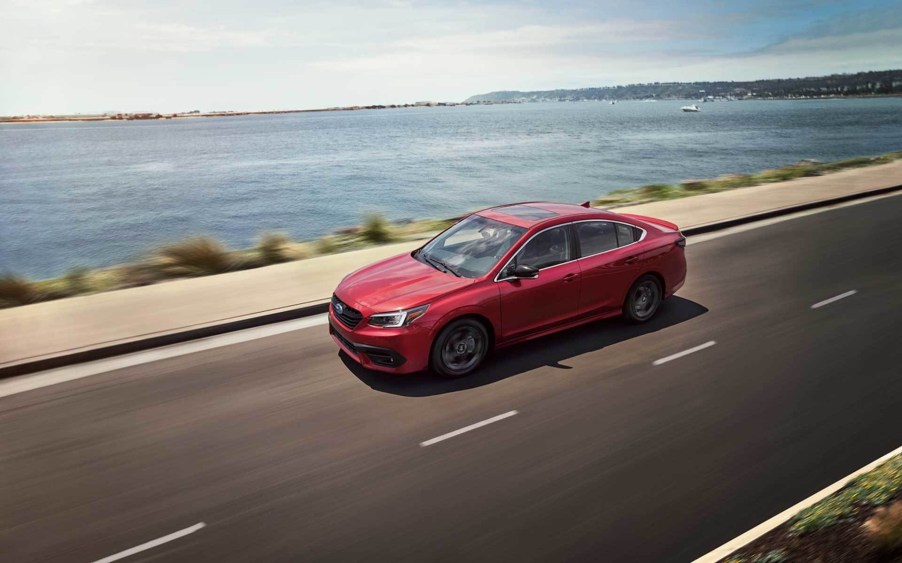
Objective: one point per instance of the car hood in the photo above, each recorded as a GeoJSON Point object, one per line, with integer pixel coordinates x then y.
{"type": "Point", "coordinates": [397, 283]}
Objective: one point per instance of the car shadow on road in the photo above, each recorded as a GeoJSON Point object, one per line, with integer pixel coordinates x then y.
{"type": "Point", "coordinates": [547, 351]}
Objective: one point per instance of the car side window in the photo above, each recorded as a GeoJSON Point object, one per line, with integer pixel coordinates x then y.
{"type": "Point", "coordinates": [547, 249]}
{"type": "Point", "coordinates": [596, 237]}
{"type": "Point", "coordinates": [627, 234]}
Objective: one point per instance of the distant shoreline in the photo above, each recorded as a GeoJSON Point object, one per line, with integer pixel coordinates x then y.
{"type": "Point", "coordinates": [189, 115]}
{"type": "Point", "coordinates": [153, 116]}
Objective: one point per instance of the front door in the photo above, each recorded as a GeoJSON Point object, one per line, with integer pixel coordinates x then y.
{"type": "Point", "coordinates": [532, 304]}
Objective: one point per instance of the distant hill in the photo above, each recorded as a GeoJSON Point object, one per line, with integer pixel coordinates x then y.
{"type": "Point", "coordinates": [879, 82]}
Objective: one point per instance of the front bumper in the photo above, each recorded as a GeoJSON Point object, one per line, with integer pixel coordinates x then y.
{"type": "Point", "coordinates": [398, 351]}
{"type": "Point", "coordinates": [381, 357]}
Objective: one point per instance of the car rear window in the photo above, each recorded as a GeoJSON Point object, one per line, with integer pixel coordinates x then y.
{"type": "Point", "coordinates": [627, 234]}
{"type": "Point", "coordinates": [596, 237]}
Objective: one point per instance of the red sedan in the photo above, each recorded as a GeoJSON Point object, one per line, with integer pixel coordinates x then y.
{"type": "Point", "coordinates": [501, 276]}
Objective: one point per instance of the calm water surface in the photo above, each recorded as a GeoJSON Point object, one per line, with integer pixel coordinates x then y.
{"type": "Point", "coordinates": [95, 194]}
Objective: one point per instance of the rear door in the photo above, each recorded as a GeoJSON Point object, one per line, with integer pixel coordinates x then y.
{"type": "Point", "coordinates": [609, 263]}
{"type": "Point", "coordinates": [533, 304]}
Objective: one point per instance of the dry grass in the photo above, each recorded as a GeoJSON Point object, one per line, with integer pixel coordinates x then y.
{"type": "Point", "coordinates": [274, 248]}
{"type": "Point", "coordinates": [884, 527]}
{"type": "Point", "coordinates": [376, 229]}
{"type": "Point", "coordinates": [199, 256]}
{"type": "Point", "coordinates": [16, 290]}
{"type": "Point", "coordinates": [78, 280]}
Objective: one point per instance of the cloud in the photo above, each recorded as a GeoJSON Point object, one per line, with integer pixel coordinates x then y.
{"type": "Point", "coordinates": [183, 38]}
{"type": "Point", "coordinates": [81, 55]}
{"type": "Point", "coordinates": [535, 43]}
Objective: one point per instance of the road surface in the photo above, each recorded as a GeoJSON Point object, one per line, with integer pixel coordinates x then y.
{"type": "Point", "coordinates": [613, 446]}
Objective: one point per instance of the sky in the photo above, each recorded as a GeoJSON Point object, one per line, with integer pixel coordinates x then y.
{"type": "Point", "coordinates": [86, 56]}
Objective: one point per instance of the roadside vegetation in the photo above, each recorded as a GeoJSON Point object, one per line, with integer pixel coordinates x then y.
{"type": "Point", "coordinates": [687, 188]}
{"type": "Point", "coordinates": [204, 255]}
{"type": "Point", "coordinates": [860, 522]}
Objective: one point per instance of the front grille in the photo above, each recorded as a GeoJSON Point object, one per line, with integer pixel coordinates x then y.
{"type": "Point", "coordinates": [348, 344]}
{"type": "Point", "coordinates": [348, 316]}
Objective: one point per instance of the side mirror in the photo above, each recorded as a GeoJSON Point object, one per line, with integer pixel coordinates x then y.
{"type": "Point", "coordinates": [524, 271]}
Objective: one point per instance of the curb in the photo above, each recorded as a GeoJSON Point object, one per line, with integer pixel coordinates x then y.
{"type": "Point", "coordinates": [141, 344]}
{"type": "Point", "coordinates": [176, 337]}
{"type": "Point", "coordinates": [720, 225]}
{"type": "Point", "coordinates": [748, 537]}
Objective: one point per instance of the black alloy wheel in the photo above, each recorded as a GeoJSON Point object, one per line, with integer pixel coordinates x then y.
{"type": "Point", "coordinates": [460, 348]}
{"type": "Point", "coordinates": [643, 299]}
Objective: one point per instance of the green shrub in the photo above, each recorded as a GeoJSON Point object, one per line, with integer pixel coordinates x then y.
{"type": "Point", "coordinates": [198, 256]}
{"type": "Point", "coordinates": [730, 181]}
{"type": "Point", "coordinates": [376, 229]}
{"type": "Point", "coordinates": [849, 163]}
{"type": "Point", "coordinates": [273, 248]}
{"type": "Point", "coordinates": [788, 173]}
{"type": "Point", "coordinates": [660, 191]}
{"type": "Point", "coordinates": [606, 201]}
{"type": "Point", "coordinates": [696, 185]}
{"type": "Point", "coordinates": [77, 280]}
{"type": "Point", "coordinates": [773, 556]}
{"type": "Point", "coordinates": [871, 489]}
{"type": "Point", "coordinates": [16, 290]}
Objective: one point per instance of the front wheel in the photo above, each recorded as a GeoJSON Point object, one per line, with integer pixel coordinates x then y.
{"type": "Point", "coordinates": [460, 348]}
{"type": "Point", "coordinates": [643, 300]}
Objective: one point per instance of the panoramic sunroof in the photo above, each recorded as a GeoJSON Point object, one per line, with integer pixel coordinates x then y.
{"type": "Point", "coordinates": [526, 212]}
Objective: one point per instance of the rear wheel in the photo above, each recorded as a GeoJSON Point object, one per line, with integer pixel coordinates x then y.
{"type": "Point", "coordinates": [643, 300]}
{"type": "Point", "coordinates": [460, 348]}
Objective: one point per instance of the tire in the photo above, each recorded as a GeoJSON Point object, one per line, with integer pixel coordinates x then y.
{"type": "Point", "coordinates": [460, 348]}
{"type": "Point", "coordinates": [643, 300]}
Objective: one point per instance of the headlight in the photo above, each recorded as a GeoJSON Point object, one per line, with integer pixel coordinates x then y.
{"type": "Point", "coordinates": [398, 318]}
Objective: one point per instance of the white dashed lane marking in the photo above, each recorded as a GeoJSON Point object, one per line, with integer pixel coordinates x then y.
{"type": "Point", "coordinates": [467, 428]}
{"type": "Point", "coordinates": [684, 353]}
{"type": "Point", "coordinates": [152, 544]}
{"type": "Point", "coordinates": [820, 304]}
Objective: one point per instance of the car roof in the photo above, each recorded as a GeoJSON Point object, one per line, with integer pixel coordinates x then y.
{"type": "Point", "coordinates": [530, 213]}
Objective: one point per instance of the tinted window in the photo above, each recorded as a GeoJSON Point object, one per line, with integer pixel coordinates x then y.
{"type": "Point", "coordinates": [548, 248]}
{"type": "Point", "coordinates": [472, 247]}
{"type": "Point", "coordinates": [627, 234]}
{"type": "Point", "coordinates": [595, 237]}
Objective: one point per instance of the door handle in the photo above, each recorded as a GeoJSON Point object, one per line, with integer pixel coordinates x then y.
{"type": "Point", "coordinates": [631, 260]}
{"type": "Point", "coordinates": [570, 277]}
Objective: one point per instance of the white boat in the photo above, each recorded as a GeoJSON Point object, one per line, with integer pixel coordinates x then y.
{"type": "Point", "coordinates": [691, 108]}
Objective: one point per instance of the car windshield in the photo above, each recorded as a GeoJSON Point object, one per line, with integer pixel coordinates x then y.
{"type": "Point", "coordinates": [470, 248]}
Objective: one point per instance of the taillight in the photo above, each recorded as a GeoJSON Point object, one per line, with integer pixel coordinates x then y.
{"type": "Point", "coordinates": [681, 242]}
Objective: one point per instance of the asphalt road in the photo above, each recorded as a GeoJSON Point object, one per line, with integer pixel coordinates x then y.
{"type": "Point", "coordinates": [288, 453]}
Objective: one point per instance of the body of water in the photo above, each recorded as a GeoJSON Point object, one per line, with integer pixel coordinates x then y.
{"type": "Point", "coordinates": [96, 194]}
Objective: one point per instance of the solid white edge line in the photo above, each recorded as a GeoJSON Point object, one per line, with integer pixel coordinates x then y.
{"type": "Point", "coordinates": [664, 360]}
{"type": "Point", "coordinates": [151, 544]}
{"type": "Point", "coordinates": [460, 431]}
{"type": "Point", "coordinates": [834, 299]}
{"type": "Point", "coordinates": [765, 527]}
{"type": "Point", "coordinates": [29, 382]}
{"type": "Point", "coordinates": [697, 239]}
